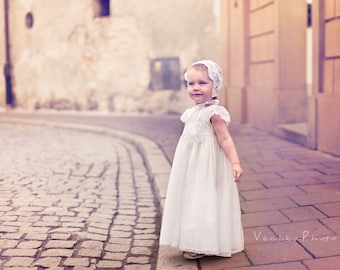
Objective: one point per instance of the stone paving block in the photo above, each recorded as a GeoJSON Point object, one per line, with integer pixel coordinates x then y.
{"type": "Point", "coordinates": [144, 231]}
{"type": "Point", "coordinates": [32, 229]}
{"type": "Point", "coordinates": [300, 174]}
{"type": "Point", "coordinates": [323, 263]}
{"type": "Point", "coordinates": [57, 252]}
{"type": "Point", "coordinates": [60, 244]}
{"type": "Point", "coordinates": [267, 204]}
{"type": "Point", "coordinates": [47, 224]}
{"type": "Point", "coordinates": [145, 226]}
{"type": "Point", "coordinates": [141, 251]}
{"type": "Point", "coordinates": [13, 236]}
{"type": "Point", "coordinates": [92, 245]}
{"type": "Point", "coordinates": [323, 246]}
{"type": "Point", "coordinates": [138, 260]}
{"type": "Point", "coordinates": [235, 261]}
{"type": "Point", "coordinates": [77, 262]}
{"type": "Point", "coordinates": [8, 229]}
{"type": "Point", "coordinates": [145, 236]}
{"type": "Point", "coordinates": [143, 242]}
{"type": "Point", "coordinates": [48, 262]}
{"type": "Point", "coordinates": [328, 187]}
{"type": "Point", "coordinates": [29, 244]}
{"type": "Point", "coordinates": [330, 209]}
{"type": "Point", "coordinates": [8, 243]}
{"type": "Point", "coordinates": [100, 225]}
{"type": "Point", "coordinates": [302, 213]}
{"type": "Point", "coordinates": [19, 262]}
{"type": "Point", "coordinates": [36, 236]}
{"type": "Point", "coordinates": [20, 252]}
{"type": "Point", "coordinates": [302, 230]}
{"type": "Point", "coordinates": [91, 236]}
{"type": "Point", "coordinates": [61, 236]}
{"type": "Point", "coordinates": [263, 219]}
{"type": "Point", "coordinates": [316, 198]}
{"type": "Point", "coordinates": [86, 252]}
{"type": "Point", "coordinates": [282, 182]}
{"type": "Point", "coordinates": [275, 266]}
{"type": "Point", "coordinates": [120, 234]}
{"type": "Point", "coordinates": [329, 178]}
{"type": "Point", "coordinates": [331, 171]}
{"type": "Point", "coordinates": [137, 267]}
{"type": "Point", "coordinates": [106, 264]}
{"type": "Point", "coordinates": [274, 252]}
{"type": "Point", "coordinates": [115, 256]}
{"type": "Point", "coordinates": [333, 223]}
{"type": "Point", "coordinates": [26, 268]}
{"type": "Point", "coordinates": [117, 248]}
{"type": "Point", "coordinates": [270, 193]}
{"type": "Point", "coordinates": [7, 217]}
{"type": "Point", "coordinates": [258, 234]}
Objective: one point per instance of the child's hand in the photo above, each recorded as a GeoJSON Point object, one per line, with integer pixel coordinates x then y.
{"type": "Point", "coordinates": [237, 171]}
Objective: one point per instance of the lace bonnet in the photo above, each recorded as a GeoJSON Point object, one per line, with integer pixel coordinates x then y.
{"type": "Point", "coordinates": [214, 72]}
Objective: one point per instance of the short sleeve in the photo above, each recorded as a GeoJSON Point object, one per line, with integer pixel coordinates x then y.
{"type": "Point", "coordinates": [185, 116]}
{"type": "Point", "coordinates": [218, 110]}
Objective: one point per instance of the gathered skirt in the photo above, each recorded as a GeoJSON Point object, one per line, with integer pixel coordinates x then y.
{"type": "Point", "coordinates": [202, 208]}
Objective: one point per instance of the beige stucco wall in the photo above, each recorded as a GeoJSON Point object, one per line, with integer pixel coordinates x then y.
{"type": "Point", "coordinates": [328, 95]}
{"type": "Point", "coordinates": [69, 59]}
{"type": "Point", "coordinates": [265, 54]}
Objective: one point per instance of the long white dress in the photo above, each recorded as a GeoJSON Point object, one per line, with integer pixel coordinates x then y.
{"type": "Point", "coordinates": [202, 208]}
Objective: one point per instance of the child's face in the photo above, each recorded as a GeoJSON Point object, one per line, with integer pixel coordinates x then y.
{"type": "Point", "coordinates": [199, 85]}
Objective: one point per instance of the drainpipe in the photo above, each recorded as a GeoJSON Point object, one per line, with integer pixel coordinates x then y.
{"type": "Point", "coordinates": [8, 66]}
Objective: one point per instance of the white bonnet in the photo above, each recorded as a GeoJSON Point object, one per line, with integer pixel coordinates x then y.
{"type": "Point", "coordinates": [214, 72]}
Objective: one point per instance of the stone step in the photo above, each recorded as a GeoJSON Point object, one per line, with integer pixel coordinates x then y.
{"type": "Point", "coordinates": [295, 132]}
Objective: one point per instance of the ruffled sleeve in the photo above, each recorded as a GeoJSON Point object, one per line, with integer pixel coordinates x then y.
{"type": "Point", "coordinates": [218, 110]}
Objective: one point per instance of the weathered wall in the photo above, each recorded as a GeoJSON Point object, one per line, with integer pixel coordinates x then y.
{"type": "Point", "coordinates": [2, 60]}
{"type": "Point", "coordinates": [71, 60]}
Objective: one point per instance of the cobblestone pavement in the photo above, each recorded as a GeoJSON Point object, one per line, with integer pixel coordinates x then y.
{"type": "Point", "coordinates": [74, 200]}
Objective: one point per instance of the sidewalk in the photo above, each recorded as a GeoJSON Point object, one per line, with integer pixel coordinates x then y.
{"type": "Point", "coordinates": [290, 195]}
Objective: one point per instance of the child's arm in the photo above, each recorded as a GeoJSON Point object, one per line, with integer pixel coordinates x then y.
{"type": "Point", "coordinates": [227, 144]}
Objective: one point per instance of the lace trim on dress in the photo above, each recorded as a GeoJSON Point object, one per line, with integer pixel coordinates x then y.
{"type": "Point", "coordinates": [221, 111]}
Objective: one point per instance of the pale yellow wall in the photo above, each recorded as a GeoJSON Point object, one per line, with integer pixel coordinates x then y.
{"type": "Point", "coordinates": [233, 59]}
{"type": "Point", "coordinates": [328, 93]}
{"type": "Point", "coordinates": [265, 51]}
{"type": "Point", "coordinates": [70, 55]}
{"type": "Point", "coordinates": [261, 96]}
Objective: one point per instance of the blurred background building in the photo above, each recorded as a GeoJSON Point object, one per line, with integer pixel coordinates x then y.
{"type": "Point", "coordinates": [280, 59]}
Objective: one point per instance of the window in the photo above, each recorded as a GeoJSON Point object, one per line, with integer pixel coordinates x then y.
{"type": "Point", "coordinates": [29, 20]}
{"type": "Point", "coordinates": [101, 8]}
{"type": "Point", "coordinates": [165, 74]}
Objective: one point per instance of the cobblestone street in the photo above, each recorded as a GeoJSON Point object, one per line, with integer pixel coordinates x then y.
{"type": "Point", "coordinates": [74, 200]}
{"type": "Point", "coordinates": [81, 191]}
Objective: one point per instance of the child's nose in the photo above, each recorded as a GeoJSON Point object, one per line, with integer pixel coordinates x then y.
{"type": "Point", "coordinates": [196, 86]}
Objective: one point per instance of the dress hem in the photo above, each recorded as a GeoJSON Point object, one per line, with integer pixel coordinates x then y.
{"type": "Point", "coordinates": [207, 252]}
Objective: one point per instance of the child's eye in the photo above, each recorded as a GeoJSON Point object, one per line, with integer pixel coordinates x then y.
{"type": "Point", "coordinates": [202, 83]}
{"type": "Point", "coordinates": [190, 83]}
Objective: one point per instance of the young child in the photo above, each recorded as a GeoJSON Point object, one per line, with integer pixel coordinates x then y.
{"type": "Point", "coordinates": [202, 210]}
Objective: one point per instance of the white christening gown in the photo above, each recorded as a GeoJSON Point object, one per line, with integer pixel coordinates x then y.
{"type": "Point", "coordinates": [202, 208]}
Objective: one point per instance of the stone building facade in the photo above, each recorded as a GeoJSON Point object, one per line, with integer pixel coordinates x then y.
{"type": "Point", "coordinates": [108, 55]}
{"type": "Point", "coordinates": [282, 63]}
{"type": "Point", "coordinates": [280, 59]}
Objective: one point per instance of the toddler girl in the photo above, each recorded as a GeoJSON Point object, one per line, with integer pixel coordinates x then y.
{"type": "Point", "coordinates": [202, 210]}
